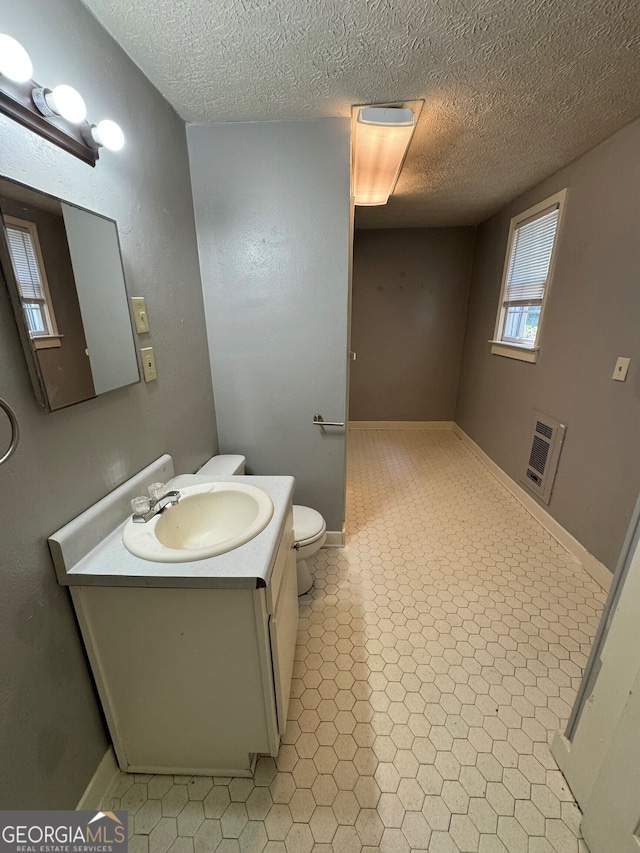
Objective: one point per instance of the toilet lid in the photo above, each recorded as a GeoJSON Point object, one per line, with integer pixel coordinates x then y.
{"type": "Point", "coordinates": [307, 523]}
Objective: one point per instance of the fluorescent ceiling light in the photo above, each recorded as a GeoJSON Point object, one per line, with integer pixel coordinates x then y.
{"type": "Point", "coordinates": [381, 138]}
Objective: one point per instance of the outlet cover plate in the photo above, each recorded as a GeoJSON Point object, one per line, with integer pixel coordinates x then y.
{"type": "Point", "coordinates": [148, 364]}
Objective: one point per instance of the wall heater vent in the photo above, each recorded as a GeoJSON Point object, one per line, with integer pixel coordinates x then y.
{"type": "Point", "coordinates": [548, 436]}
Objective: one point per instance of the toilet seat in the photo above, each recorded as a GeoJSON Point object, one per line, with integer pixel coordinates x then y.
{"type": "Point", "coordinates": [308, 525]}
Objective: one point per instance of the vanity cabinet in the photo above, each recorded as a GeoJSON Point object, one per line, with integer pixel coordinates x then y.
{"type": "Point", "coordinates": [194, 680]}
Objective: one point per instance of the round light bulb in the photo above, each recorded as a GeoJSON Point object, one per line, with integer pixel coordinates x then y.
{"type": "Point", "coordinates": [66, 102]}
{"type": "Point", "coordinates": [14, 60]}
{"type": "Point", "coordinates": [109, 134]}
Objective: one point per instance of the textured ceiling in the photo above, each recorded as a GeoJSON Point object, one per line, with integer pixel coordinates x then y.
{"type": "Point", "coordinates": [513, 89]}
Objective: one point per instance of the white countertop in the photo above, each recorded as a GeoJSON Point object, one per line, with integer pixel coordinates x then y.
{"type": "Point", "coordinates": [108, 563]}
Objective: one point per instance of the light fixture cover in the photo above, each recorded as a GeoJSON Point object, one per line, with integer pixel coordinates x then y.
{"type": "Point", "coordinates": [381, 138]}
{"type": "Point", "coordinates": [14, 60]}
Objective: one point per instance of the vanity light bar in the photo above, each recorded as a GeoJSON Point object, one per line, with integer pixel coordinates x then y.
{"type": "Point", "coordinates": [57, 114]}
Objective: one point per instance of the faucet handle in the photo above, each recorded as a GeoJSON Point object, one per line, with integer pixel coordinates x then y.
{"type": "Point", "coordinates": [141, 505]}
{"type": "Point", "coordinates": [156, 490]}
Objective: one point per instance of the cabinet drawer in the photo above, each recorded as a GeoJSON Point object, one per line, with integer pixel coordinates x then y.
{"type": "Point", "coordinates": [282, 556]}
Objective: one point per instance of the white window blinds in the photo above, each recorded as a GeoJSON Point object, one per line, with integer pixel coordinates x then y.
{"type": "Point", "coordinates": [530, 258]}
{"type": "Point", "coordinates": [25, 264]}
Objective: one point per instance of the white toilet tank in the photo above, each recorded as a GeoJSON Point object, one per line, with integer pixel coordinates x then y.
{"type": "Point", "coordinates": [224, 465]}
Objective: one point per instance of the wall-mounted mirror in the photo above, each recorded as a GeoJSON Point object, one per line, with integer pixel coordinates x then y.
{"type": "Point", "coordinates": [63, 271]}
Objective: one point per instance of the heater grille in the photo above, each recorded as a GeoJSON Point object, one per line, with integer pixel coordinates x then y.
{"type": "Point", "coordinates": [544, 429]}
{"type": "Point", "coordinates": [548, 437]}
{"type": "Point", "coordinates": [539, 454]}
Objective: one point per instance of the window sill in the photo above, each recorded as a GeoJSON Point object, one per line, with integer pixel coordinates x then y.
{"type": "Point", "coordinates": [46, 341]}
{"type": "Point", "coordinates": [517, 351]}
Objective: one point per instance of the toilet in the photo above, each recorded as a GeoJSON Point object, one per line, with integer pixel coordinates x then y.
{"type": "Point", "coordinates": [309, 527]}
{"type": "Point", "coordinates": [310, 531]}
{"type": "Point", "coordinates": [225, 466]}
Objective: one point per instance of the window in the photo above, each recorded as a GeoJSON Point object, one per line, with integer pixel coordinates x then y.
{"type": "Point", "coordinates": [526, 279]}
{"type": "Point", "coordinates": [31, 281]}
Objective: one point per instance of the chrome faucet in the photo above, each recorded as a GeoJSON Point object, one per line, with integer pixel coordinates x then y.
{"type": "Point", "coordinates": [144, 509]}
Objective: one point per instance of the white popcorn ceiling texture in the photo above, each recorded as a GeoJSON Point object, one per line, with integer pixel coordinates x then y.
{"type": "Point", "coordinates": [513, 89]}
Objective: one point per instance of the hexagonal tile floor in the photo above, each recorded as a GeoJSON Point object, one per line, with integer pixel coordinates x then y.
{"type": "Point", "coordinates": [437, 655]}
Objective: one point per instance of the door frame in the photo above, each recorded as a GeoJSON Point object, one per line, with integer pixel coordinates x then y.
{"type": "Point", "coordinates": [594, 663]}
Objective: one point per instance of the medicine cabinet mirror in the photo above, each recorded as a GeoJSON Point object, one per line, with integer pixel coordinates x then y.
{"type": "Point", "coordinates": [63, 270]}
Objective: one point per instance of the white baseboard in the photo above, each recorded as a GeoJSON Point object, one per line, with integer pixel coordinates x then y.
{"type": "Point", "coordinates": [334, 539]}
{"type": "Point", "coordinates": [593, 567]}
{"type": "Point", "coordinates": [101, 782]}
{"type": "Point", "coordinates": [400, 424]}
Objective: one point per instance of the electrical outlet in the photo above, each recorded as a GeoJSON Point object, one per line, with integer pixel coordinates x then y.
{"type": "Point", "coordinates": [140, 317]}
{"type": "Point", "coordinates": [148, 364]}
{"type": "Point", "coordinates": [621, 369]}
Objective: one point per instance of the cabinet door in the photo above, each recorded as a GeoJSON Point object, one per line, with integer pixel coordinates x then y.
{"type": "Point", "coordinates": [281, 564]}
{"type": "Point", "coordinates": [283, 631]}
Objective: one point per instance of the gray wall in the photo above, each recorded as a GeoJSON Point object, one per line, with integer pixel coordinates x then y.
{"type": "Point", "coordinates": [272, 212]}
{"type": "Point", "coordinates": [409, 304]}
{"type": "Point", "coordinates": [52, 735]}
{"type": "Point", "coordinates": [591, 318]}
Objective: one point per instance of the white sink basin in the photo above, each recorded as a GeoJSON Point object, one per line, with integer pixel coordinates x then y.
{"type": "Point", "coordinates": [209, 519]}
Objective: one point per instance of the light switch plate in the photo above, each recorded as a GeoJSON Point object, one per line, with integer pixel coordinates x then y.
{"type": "Point", "coordinates": [148, 364]}
{"type": "Point", "coordinates": [621, 369]}
{"type": "Point", "coordinates": [140, 317]}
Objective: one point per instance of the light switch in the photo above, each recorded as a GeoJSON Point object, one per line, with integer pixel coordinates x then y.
{"type": "Point", "coordinates": [621, 369]}
{"type": "Point", "coordinates": [148, 364]}
{"type": "Point", "coordinates": [140, 314]}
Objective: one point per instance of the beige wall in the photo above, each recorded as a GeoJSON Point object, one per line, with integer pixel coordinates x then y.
{"type": "Point", "coordinates": [591, 319]}
{"type": "Point", "coordinates": [409, 303]}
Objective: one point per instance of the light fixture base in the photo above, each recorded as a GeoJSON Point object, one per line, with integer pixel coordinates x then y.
{"type": "Point", "coordinates": [386, 116]}
{"type": "Point", "coordinates": [86, 131]}
{"type": "Point", "coordinates": [39, 98]}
